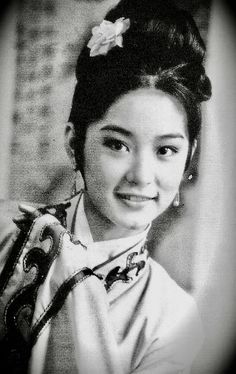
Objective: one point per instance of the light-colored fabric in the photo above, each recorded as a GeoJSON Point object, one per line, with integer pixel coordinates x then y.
{"type": "Point", "coordinates": [143, 323]}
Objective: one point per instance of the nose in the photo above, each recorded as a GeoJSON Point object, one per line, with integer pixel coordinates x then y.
{"type": "Point", "coordinates": [141, 171]}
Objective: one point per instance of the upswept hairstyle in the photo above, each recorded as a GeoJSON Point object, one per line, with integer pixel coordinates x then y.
{"type": "Point", "coordinates": [162, 49]}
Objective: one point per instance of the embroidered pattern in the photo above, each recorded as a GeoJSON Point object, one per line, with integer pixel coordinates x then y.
{"type": "Point", "coordinates": [19, 310]}
{"type": "Point", "coordinates": [117, 274]}
{"type": "Point", "coordinates": [20, 337]}
{"type": "Point", "coordinates": [58, 211]}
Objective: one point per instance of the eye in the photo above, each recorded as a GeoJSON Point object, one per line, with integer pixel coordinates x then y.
{"type": "Point", "coordinates": [167, 151]}
{"type": "Point", "coordinates": [115, 144]}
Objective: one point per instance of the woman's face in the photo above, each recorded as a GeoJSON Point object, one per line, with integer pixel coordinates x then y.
{"type": "Point", "coordinates": [134, 159]}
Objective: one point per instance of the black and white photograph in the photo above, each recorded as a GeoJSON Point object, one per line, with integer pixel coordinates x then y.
{"type": "Point", "coordinates": [117, 187]}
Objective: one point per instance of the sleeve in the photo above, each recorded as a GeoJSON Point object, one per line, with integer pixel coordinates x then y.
{"type": "Point", "coordinates": [71, 330]}
{"type": "Point", "coordinates": [174, 351]}
{"type": "Point", "coordinates": [55, 309]}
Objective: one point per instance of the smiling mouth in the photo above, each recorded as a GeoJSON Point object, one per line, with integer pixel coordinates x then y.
{"type": "Point", "coordinates": [136, 198]}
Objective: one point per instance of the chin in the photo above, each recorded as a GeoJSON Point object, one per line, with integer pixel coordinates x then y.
{"type": "Point", "coordinates": [133, 225]}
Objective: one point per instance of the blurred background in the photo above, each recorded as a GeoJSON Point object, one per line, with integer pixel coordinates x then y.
{"type": "Point", "coordinates": [39, 44]}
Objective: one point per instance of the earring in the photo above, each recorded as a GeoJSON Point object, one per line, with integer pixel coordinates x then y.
{"type": "Point", "coordinates": [176, 201]}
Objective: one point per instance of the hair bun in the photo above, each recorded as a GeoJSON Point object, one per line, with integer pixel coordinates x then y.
{"type": "Point", "coordinates": [204, 89]}
{"type": "Point", "coordinates": [194, 77]}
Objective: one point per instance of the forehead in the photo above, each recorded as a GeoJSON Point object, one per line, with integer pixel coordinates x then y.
{"type": "Point", "coordinates": [147, 112]}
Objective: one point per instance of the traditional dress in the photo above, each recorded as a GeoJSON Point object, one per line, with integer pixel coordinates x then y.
{"type": "Point", "coordinates": [72, 305]}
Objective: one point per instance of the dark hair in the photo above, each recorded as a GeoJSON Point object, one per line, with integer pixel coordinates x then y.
{"type": "Point", "coordinates": [161, 49]}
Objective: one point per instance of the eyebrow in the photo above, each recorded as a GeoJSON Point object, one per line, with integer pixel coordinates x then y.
{"type": "Point", "coordinates": [171, 136]}
{"type": "Point", "coordinates": [117, 129]}
{"type": "Point", "coordinates": [122, 131]}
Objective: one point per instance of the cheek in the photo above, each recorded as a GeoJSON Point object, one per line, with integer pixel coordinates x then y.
{"type": "Point", "coordinates": [101, 170]}
{"type": "Point", "coordinates": [172, 175]}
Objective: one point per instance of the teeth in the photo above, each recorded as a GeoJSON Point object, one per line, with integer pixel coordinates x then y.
{"type": "Point", "coordinates": [135, 198]}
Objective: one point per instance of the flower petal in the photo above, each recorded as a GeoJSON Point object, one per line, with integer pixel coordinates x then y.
{"type": "Point", "coordinates": [95, 30]}
{"type": "Point", "coordinates": [120, 19]}
{"type": "Point", "coordinates": [95, 40]}
{"type": "Point", "coordinates": [104, 49]}
{"type": "Point", "coordinates": [119, 28]}
{"type": "Point", "coordinates": [126, 24]}
{"type": "Point", "coordinates": [119, 41]}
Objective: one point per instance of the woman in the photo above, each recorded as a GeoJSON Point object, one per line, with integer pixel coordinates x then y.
{"type": "Point", "coordinates": [78, 290]}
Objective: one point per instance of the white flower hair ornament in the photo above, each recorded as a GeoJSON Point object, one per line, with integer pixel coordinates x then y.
{"type": "Point", "coordinates": [107, 35]}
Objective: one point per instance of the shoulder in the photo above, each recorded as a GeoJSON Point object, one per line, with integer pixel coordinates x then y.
{"type": "Point", "coordinates": [9, 232]}
{"type": "Point", "coordinates": [8, 210]}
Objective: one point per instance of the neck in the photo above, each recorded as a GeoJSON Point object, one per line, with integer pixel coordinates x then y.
{"type": "Point", "coordinates": [101, 227]}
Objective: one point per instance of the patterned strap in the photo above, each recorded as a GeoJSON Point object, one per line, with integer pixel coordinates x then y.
{"type": "Point", "coordinates": [15, 351]}
{"type": "Point", "coordinates": [58, 301]}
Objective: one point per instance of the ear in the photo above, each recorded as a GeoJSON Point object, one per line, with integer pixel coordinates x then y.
{"type": "Point", "coordinates": [70, 142]}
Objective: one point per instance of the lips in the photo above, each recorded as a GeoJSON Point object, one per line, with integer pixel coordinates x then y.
{"type": "Point", "coordinates": [135, 198]}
